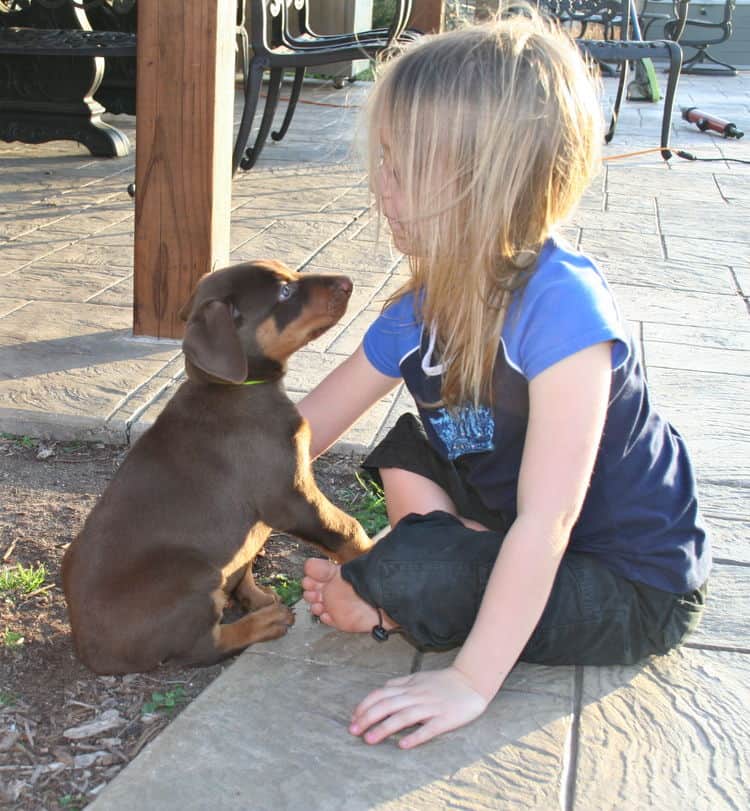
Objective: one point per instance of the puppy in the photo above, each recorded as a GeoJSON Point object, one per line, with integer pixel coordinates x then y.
{"type": "Point", "coordinates": [176, 531]}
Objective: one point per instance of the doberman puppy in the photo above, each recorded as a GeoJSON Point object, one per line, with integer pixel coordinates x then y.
{"type": "Point", "coordinates": [176, 531]}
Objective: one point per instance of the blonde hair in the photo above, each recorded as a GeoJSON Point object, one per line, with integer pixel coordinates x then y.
{"type": "Point", "coordinates": [494, 131]}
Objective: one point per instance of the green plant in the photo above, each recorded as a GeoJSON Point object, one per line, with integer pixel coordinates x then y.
{"type": "Point", "coordinates": [164, 701]}
{"type": "Point", "coordinates": [26, 441]}
{"type": "Point", "coordinates": [72, 802]}
{"type": "Point", "coordinates": [366, 75]}
{"type": "Point", "coordinates": [288, 588]}
{"type": "Point", "coordinates": [367, 505]}
{"type": "Point", "coordinates": [7, 699]}
{"type": "Point", "coordinates": [12, 639]}
{"type": "Point", "coordinates": [22, 579]}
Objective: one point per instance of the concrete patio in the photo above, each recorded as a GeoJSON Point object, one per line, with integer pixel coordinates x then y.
{"type": "Point", "coordinates": [270, 733]}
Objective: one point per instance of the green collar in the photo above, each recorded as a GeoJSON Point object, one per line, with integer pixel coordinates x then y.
{"type": "Point", "coordinates": [253, 382]}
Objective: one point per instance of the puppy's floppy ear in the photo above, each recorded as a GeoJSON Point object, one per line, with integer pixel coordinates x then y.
{"type": "Point", "coordinates": [212, 345]}
{"type": "Point", "coordinates": [186, 308]}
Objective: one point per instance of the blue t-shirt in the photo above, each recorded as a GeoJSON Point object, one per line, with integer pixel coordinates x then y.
{"type": "Point", "coordinates": [640, 516]}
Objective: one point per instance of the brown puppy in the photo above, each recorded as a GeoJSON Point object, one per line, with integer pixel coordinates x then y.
{"type": "Point", "coordinates": [176, 532]}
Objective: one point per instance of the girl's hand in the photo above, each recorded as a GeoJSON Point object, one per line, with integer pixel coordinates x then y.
{"type": "Point", "coordinates": [438, 700]}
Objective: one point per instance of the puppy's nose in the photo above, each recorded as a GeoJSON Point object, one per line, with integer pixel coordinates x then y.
{"type": "Point", "coordinates": [344, 284]}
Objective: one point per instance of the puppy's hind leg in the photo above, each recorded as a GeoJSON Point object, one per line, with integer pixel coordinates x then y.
{"type": "Point", "coordinates": [250, 595]}
{"type": "Point", "coordinates": [267, 623]}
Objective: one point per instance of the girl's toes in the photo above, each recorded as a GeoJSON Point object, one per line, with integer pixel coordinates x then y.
{"type": "Point", "coordinates": [319, 569]}
{"type": "Point", "coordinates": [326, 619]}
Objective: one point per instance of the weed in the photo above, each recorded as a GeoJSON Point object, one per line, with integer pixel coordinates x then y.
{"type": "Point", "coordinates": [72, 802]}
{"type": "Point", "coordinates": [7, 699]}
{"type": "Point", "coordinates": [367, 505]}
{"type": "Point", "coordinates": [26, 441]}
{"type": "Point", "coordinates": [288, 588]}
{"type": "Point", "coordinates": [164, 701]}
{"type": "Point", "coordinates": [22, 579]}
{"type": "Point", "coordinates": [12, 639]}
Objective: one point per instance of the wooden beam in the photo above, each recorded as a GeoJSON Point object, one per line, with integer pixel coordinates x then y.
{"type": "Point", "coordinates": [184, 125]}
{"type": "Point", "coordinates": [427, 16]}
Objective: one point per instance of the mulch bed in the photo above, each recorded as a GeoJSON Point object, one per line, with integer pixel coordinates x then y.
{"type": "Point", "coordinates": [65, 732]}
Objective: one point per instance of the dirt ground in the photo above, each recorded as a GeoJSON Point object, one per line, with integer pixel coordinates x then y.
{"type": "Point", "coordinates": [65, 732]}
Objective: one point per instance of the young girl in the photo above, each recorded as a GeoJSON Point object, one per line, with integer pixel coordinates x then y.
{"type": "Point", "coordinates": [541, 509]}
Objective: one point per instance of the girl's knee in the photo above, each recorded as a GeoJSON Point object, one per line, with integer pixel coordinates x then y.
{"type": "Point", "coordinates": [407, 492]}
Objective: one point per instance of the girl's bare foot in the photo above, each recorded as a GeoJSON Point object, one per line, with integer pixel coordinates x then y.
{"type": "Point", "coordinates": [334, 600]}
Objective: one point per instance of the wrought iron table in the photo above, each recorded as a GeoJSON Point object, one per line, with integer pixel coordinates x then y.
{"type": "Point", "coordinates": [53, 84]}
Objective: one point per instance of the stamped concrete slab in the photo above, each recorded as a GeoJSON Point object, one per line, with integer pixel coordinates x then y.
{"type": "Point", "coordinates": [707, 221]}
{"type": "Point", "coordinates": [726, 621]}
{"type": "Point", "coordinates": [271, 733]}
{"type": "Point", "coordinates": [742, 274]}
{"type": "Point", "coordinates": [11, 304]}
{"type": "Point", "coordinates": [524, 678]}
{"type": "Point", "coordinates": [671, 355]}
{"type": "Point", "coordinates": [625, 201]}
{"type": "Point", "coordinates": [730, 539]}
{"type": "Point", "coordinates": [725, 497]}
{"type": "Point", "coordinates": [706, 251]}
{"type": "Point", "coordinates": [672, 733]}
{"type": "Point", "coordinates": [58, 281]}
{"type": "Point", "coordinates": [650, 273]}
{"type": "Point", "coordinates": [712, 412]}
{"type": "Point", "coordinates": [66, 367]}
{"type": "Point", "coordinates": [311, 641]}
{"type": "Point", "coordinates": [710, 335]}
{"type": "Point", "coordinates": [680, 307]}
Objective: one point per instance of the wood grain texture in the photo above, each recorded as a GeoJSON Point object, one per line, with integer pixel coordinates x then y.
{"type": "Point", "coordinates": [184, 122]}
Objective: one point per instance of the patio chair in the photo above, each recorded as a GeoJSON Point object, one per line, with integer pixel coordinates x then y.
{"type": "Point", "coordinates": [299, 32]}
{"type": "Point", "coordinates": [675, 11]}
{"type": "Point", "coordinates": [694, 38]}
{"type": "Point", "coordinates": [276, 48]}
{"type": "Point", "coordinates": [617, 17]}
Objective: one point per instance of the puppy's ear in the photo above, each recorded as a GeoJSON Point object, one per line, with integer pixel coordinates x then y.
{"type": "Point", "coordinates": [212, 345]}
{"type": "Point", "coordinates": [186, 308]}
{"type": "Point", "coordinates": [184, 312]}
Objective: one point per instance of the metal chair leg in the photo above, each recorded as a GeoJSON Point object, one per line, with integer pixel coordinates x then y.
{"type": "Point", "coordinates": [243, 43]}
{"type": "Point", "coordinates": [299, 75]}
{"type": "Point", "coordinates": [618, 101]}
{"type": "Point", "coordinates": [252, 95]}
{"type": "Point", "coordinates": [675, 65]}
{"type": "Point", "coordinates": [272, 99]}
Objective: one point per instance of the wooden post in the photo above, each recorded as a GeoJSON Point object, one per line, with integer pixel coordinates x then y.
{"type": "Point", "coordinates": [427, 16]}
{"type": "Point", "coordinates": [184, 124]}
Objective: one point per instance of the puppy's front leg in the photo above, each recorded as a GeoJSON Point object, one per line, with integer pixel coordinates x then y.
{"type": "Point", "coordinates": [310, 516]}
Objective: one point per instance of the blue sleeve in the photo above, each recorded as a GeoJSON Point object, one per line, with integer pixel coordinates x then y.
{"type": "Point", "coordinates": [393, 334]}
{"type": "Point", "coordinates": [567, 308]}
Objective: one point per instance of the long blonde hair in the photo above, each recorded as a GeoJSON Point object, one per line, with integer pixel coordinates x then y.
{"type": "Point", "coordinates": [494, 131]}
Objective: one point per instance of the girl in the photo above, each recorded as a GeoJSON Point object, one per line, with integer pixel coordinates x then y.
{"type": "Point", "coordinates": [540, 507]}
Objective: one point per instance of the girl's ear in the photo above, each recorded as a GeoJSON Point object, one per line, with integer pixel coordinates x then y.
{"type": "Point", "coordinates": [212, 345]}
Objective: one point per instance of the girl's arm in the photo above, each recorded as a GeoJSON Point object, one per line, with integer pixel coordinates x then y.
{"type": "Point", "coordinates": [567, 410]}
{"type": "Point", "coordinates": [341, 398]}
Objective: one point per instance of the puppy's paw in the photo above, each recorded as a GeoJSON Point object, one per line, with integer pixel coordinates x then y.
{"type": "Point", "coordinates": [273, 621]}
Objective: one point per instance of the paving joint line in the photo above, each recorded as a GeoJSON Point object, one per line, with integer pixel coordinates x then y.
{"type": "Point", "coordinates": [320, 248]}
{"type": "Point", "coordinates": [572, 739]}
{"type": "Point", "coordinates": [710, 646]}
{"type": "Point", "coordinates": [702, 371]}
{"type": "Point", "coordinates": [745, 564]}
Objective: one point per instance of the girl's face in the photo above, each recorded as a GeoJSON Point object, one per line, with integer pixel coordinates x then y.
{"type": "Point", "coordinates": [391, 196]}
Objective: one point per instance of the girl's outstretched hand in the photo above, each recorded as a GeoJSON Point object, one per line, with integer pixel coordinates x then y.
{"type": "Point", "coordinates": [437, 700]}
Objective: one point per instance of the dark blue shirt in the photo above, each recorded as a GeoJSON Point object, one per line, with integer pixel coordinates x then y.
{"type": "Point", "coordinates": [640, 516]}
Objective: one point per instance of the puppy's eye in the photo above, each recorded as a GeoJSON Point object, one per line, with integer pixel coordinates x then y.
{"type": "Point", "coordinates": [285, 291]}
